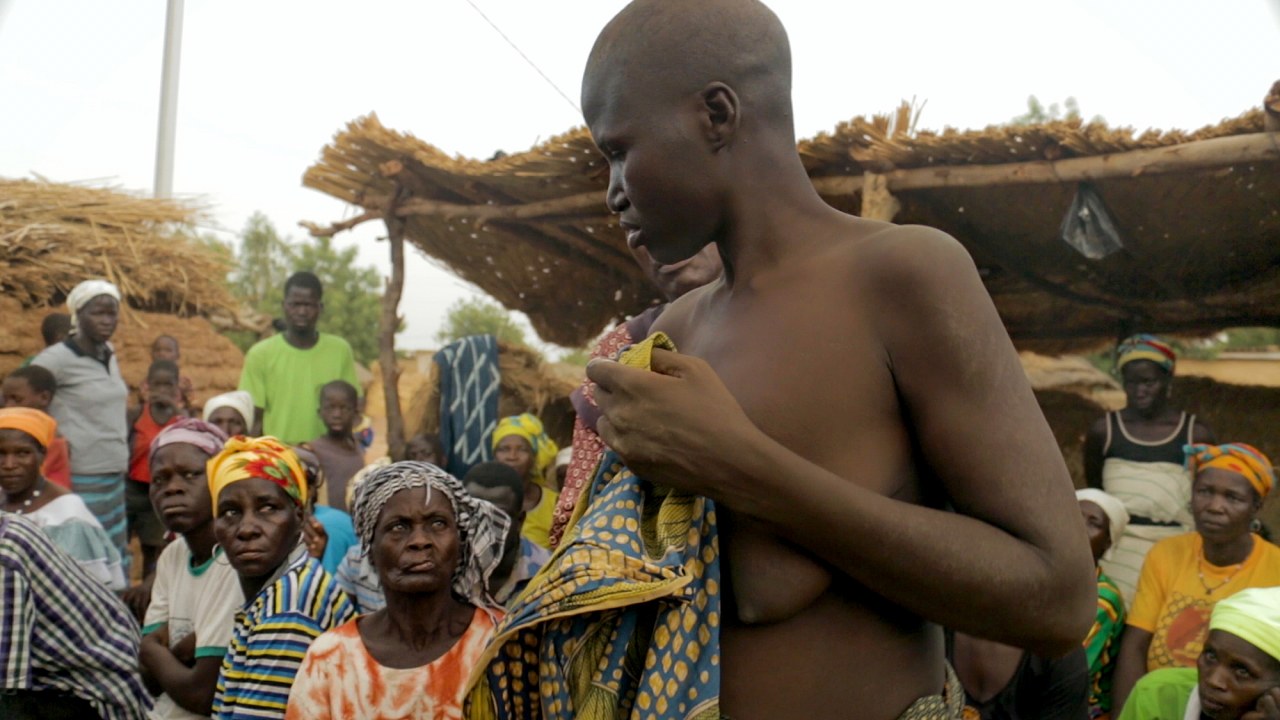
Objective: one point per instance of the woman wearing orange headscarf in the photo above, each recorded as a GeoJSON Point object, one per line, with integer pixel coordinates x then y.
{"type": "Point", "coordinates": [1185, 576]}
{"type": "Point", "coordinates": [25, 436]}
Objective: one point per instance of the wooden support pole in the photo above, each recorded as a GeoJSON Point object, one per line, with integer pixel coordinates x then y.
{"type": "Point", "coordinates": [877, 202]}
{"type": "Point", "coordinates": [387, 336]}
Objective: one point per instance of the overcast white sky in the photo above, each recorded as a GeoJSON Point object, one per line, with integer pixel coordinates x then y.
{"type": "Point", "coordinates": [264, 85]}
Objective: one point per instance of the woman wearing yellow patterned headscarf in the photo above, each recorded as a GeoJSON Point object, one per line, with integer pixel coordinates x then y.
{"type": "Point", "coordinates": [267, 458]}
{"type": "Point", "coordinates": [521, 442]}
{"type": "Point", "coordinates": [259, 492]}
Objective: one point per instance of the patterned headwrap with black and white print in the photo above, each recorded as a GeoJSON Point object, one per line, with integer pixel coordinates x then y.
{"type": "Point", "coordinates": [482, 527]}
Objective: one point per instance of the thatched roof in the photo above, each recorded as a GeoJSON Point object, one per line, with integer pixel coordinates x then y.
{"type": "Point", "coordinates": [53, 236]}
{"type": "Point", "coordinates": [1199, 219]}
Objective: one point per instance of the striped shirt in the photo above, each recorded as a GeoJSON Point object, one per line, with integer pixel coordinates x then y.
{"type": "Point", "coordinates": [61, 630]}
{"type": "Point", "coordinates": [271, 636]}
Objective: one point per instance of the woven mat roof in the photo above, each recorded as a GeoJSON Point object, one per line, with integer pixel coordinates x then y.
{"type": "Point", "coordinates": [1201, 248]}
{"type": "Point", "coordinates": [54, 235]}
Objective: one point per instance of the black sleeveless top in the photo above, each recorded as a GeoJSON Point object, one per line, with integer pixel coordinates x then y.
{"type": "Point", "coordinates": [1124, 446]}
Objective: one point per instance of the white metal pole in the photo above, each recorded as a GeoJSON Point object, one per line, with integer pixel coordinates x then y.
{"type": "Point", "coordinates": [168, 99]}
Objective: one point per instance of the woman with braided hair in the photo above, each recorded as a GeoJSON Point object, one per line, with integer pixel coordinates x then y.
{"type": "Point", "coordinates": [433, 547]}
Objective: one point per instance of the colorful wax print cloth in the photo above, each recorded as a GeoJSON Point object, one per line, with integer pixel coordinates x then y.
{"type": "Point", "coordinates": [624, 621]}
{"type": "Point", "coordinates": [1102, 645]}
{"type": "Point", "coordinates": [340, 680]}
{"type": "Point", "coordinates": [588, 448]}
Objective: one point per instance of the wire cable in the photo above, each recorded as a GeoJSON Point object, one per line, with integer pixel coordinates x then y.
{"type": "Point", "coordinates": [526, 57]}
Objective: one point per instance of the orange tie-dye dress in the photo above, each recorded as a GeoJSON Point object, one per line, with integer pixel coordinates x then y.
{"type": "Point", "coordinates": [340, 679]}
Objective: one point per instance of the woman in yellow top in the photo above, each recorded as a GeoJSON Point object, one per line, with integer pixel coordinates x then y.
{"type": "Point", "coordinates": [1185, 576]}
{"type": "Point", "coordinates": [521, 442]}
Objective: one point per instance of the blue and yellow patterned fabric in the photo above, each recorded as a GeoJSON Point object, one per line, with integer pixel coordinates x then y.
{"type": "Point", "coordinates": [624, 620]}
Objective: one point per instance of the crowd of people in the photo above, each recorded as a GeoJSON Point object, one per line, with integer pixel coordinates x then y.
{"type": "Point", "coordinates": [763, 512]}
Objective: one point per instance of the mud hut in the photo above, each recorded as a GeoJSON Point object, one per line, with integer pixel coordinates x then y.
{"type": "Point", "coordinates": [52, 236]}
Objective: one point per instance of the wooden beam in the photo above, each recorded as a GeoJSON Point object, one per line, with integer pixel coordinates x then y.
{"type": "Point", "coordinates": [1184, 157]}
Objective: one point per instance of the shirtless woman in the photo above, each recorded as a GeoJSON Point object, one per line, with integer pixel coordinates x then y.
{"type": "Point", "coordinates": [842, 386]}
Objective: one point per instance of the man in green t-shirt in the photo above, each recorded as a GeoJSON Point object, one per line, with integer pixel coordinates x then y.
{"type": "Point", "coordinates": [284, 373]}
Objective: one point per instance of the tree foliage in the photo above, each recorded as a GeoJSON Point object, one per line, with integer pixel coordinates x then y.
{"type": "Point", "coordinates": [352, 293]}
{"type": "Point", "coordinates": [477, 316]}
{"type": "Point", "coordinates": [1037, 113]}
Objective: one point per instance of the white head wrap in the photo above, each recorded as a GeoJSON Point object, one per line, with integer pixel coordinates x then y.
{"type": "Point", "coordinates": [81, 294]}
{"type": "Point", "coordinates": [239, 400]}
{"type": "Point", "coordinates": [1112, 507]}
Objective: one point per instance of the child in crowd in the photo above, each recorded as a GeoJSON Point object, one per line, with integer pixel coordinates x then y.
{"type": "Point", "coordinates": [232, 412]}
{"type": "Point", "coordinates": [500, 484]}
{"type": "Point", "coordinates": [165, 347]}
{"type": "Point", "coordinates": [54, 329]}
{"type": "Point", "coordinates": [338, 450]}
{"type": "Point", "coordinates": [33, 387]}
{"type": "Point", "coordinates": [425, 447]}
{"type": "Point", "coordinates": [328, 532]}
{"type": "Point", "coordinates": [145, 423]}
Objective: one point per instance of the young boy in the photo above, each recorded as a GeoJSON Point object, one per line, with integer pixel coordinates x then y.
{"type": "Point", "coordinates": [338, 451]}
{"type": "Point", "coordinates": [499, 484]}
{"type": "Point", "coordinates": [33, 386]}
{"type": "Point", "coordinates": [145, 423]}
{"type": "Point", "coordinates": [425, 447]}
{"type": "Point", "coordinates": [846, 393]}
{"type": "Point", "coordinates": [165, 347]}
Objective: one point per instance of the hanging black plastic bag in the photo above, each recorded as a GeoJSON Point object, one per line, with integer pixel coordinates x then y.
{"type": "Point", "coordinates": [1088, 226]}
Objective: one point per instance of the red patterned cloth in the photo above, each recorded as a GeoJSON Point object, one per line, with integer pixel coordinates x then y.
{"type": "Point", "coordinates": [587, 445]}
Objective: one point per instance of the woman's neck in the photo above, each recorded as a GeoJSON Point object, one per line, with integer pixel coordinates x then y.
{"type": "Point", "coordinates": [420, 621]}
{"type": "Point", "coordinates": [29, 499]}
{"type": "Point", "coordinates": [200, 541]}
{"type": "Point", "coordinates": [88, 346]}
{"type": "Point", "coordinates": [1229, 552]}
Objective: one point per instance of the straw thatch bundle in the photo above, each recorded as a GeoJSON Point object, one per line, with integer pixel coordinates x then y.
{"type": "Point", "coordinates": [53, 236]}
{"type": "Point", "coordinates": [209, 359]}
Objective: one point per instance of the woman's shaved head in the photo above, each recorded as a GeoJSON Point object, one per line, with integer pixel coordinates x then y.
{"type": "Point", "coordinates": [677, 47]}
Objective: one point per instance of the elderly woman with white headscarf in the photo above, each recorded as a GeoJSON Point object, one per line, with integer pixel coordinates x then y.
{"type": "Point", "coordinates": [434, 547]}
{"type": "Point", "coordinates": [1104, 520]}
{"type": "Point", "coordinates": [91, 404]}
